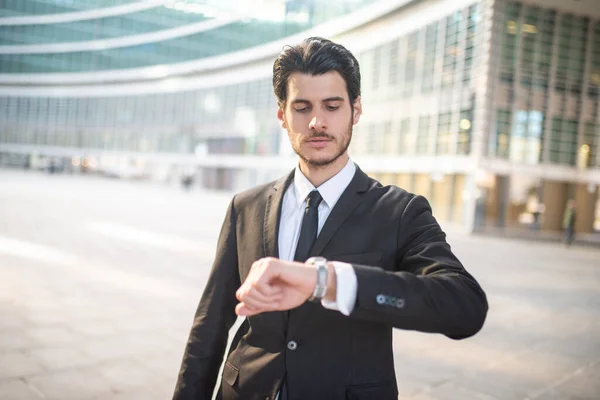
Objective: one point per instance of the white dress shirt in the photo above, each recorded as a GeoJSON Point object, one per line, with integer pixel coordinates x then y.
{"type": "Point", "coordinates": [292, 213]}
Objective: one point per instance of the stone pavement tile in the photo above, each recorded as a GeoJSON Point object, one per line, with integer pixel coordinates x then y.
{"type": "Point", "coordinates": [127, 374]}
{"type": "Point", "coordinates": [418, 396]}
{"type": "Point", "coordinates": [451, 391]}
{"type": "Point", "coordinates": [431, 368]}
{"type": "Point", "coordinates": [179, 334]}
{"type": "Point", "coordinates": [536, 369]}
{"type": "Point", "coordinates": [138, 323]}
{"type": "Point", "coordinates": [109, 348]}
{"type": "Point", "coordinates": [107, 310]}
{"type": "Point", "coordinates": [95, 328]}
{"type": "Point", "coordinates": [408, 387]}
{"type": "Point", "coordinates": [133, 394]}
{"type": "Point", "coordinates": [125, 345]}
{"type": "Point", "coordinates": [583, 384]}
{"type": "Point", "coordinates": [57, 358]}
{"type": "Point", "coordinates": [164, 388]}
{"type": "Point", "coordinates": [426, 372]}
{"type": "Point", "coordinates": [51, 335]}
{"type": "Point", "coordinates": [48, 317]}
{"type": "Point", "coordinates": [16, 389]}
{"type": "Point", "coordinates": [490, 383]}
{"type": "Point", "coordinates": [11, 319]}
{"type": "Point", "coordinates": [76, 300]}
{"type": "Point", "coordinates": [582, 349]}
{"type": "Point", "coordinates": [144, 342]}
{"type": "Point", "coordinates": [166, 363]}
{"type": "Point", "coordinates": [13, 340]}
{"type": "Point", "coordinates": [158, 389]}
{"type": "Point", "coordinates": [72, 384]}
{"type": "Point", "coordinates": [18, 364]}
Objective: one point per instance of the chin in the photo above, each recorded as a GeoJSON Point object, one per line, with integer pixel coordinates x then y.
{"type": "Point", "coordinates": [320, 160]}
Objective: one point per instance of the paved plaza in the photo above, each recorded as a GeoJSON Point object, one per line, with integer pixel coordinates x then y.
{"type": "Point", "coordinates": [99, 280]}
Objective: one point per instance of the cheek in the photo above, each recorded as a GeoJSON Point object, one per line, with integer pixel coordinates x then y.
{"type": "Point", "coordinates": [294, 125]}
{"type": "Point", "coordinates": [292, 135]}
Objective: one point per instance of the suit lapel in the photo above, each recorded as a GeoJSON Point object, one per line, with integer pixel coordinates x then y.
{"type": "Point", "coordinates": [347, 202]}
{"type": "Point", "coordinates": [271, 237]}
{"type": "Point", "coordinates": [272, 216]}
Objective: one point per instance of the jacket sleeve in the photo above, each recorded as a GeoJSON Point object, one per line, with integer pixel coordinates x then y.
{"type": "Point", "coordinates": [214, 317]}
{"type": "Point", "coordinates": [431, 291]}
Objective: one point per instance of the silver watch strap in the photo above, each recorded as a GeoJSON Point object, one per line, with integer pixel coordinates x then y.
{"type": "Point", "coordinates": [320, 264]}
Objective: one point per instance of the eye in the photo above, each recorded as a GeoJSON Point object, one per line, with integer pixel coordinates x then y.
{"type": "Point", "coordinates": [332, 108]}
{"type": "Point", "coordinates": [302, 110]}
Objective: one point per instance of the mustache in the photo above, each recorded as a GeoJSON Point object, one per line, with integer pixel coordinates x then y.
{"type": "Point", "coordinates": [318, 135]}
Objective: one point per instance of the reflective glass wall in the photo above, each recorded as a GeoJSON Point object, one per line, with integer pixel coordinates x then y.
{"type": "Point", "coordinates": [13, 8]}
{"type": "Point", "coordinates": [178, 31]}
{"type": "Point", "coordinates": [241, 118]}
{"type": "Point", "coordinates": [423, 81]}
{"type": "Point", "coordinates": [548, 90]}
{"type": "Point", "coordinates": [232, 119]}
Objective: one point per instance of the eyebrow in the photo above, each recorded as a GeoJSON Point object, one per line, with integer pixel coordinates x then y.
{"type": "Point", "coordinates": [335, 98]}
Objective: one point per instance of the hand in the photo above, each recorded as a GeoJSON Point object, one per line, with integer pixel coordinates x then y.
{"type": "Point", "coordinates": [275, 285]}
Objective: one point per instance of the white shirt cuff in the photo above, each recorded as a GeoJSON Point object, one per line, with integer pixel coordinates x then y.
{"type": "Point", "coordinates": [346, 289]}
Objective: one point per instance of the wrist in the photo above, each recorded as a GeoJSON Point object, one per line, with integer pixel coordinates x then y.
{"type": "Point", "coordinates": [331, 294]}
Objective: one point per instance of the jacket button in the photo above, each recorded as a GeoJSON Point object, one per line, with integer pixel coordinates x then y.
{"type": "Point", "coordinates": [292, 345]}
{"type": "Point", "coordinates": [380, 299]}
{"type": "Point", "coordinates": [400, 303]}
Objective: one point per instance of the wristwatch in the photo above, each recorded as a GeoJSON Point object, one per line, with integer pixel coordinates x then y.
{"type": "Point", "coordinates": [321, 288]}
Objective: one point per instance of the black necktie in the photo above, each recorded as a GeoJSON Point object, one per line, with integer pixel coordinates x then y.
{"type": "Point", "coordinates": [310, 226]}
{"type": "Point", "coordinates": [308, 235]}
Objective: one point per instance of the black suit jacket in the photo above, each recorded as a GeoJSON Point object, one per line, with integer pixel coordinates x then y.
{"type": "Point", "coordinates": [407, 276]}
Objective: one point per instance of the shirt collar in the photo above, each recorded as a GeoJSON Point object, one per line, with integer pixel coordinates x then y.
{"type": "Point", "coordinates": [331, 190]}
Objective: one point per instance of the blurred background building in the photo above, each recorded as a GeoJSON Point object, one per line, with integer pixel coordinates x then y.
{"type": "Point", "coordinates": [490, 108]}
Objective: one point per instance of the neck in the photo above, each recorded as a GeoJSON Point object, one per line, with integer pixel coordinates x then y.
{"type": "Point", "coordinates": [317, 175]}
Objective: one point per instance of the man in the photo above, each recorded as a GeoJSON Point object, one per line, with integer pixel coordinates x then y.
{"type": "Point", "coordinates": [389, 264]}
{"type": "Point", "coordinates": [569, 218]}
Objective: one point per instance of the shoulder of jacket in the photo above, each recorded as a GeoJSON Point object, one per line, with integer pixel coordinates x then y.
{"type": "Point", "coordinates": [393, 192]}
{"type": "Point", "coordinates": [253, 194]}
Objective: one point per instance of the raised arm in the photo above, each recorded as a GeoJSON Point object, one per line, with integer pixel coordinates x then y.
{"type": "Point", "coordinates": [431, 291]}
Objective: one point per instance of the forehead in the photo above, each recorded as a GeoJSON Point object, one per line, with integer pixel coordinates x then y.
{"type": "Point", "coordinates": [316, 87]}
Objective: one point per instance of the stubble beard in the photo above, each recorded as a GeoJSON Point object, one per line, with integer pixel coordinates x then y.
{"type": "Point", "coordinates": [324, 162]}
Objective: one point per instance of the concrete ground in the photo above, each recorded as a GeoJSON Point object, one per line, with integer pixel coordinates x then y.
{"type": "Point", "coordinates": [99, 280]}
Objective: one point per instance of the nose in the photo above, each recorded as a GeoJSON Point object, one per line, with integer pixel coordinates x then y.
{"type": "Point", "coordinates": [318, 123]}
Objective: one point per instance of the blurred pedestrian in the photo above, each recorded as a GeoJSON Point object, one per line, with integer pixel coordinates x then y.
{"type": "Point", "coordinates": [324, 262]}
{"type": "Point", "coordinates": [186, 182]}
{"type": "Point", "coordinates": [569, 218]}
{"type": "Point", "coordinates": [52, 166]}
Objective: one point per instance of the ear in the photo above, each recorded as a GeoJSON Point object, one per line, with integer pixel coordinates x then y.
{"type": "Point", "coordinates": [357, 106]}
{"type": "Point", "coordinates": [281, 117]}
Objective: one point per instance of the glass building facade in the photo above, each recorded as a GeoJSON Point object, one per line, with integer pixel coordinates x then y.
{"type": "Point", "coordinates": [488, 108]}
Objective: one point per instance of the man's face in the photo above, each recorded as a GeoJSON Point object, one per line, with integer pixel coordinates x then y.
{"type": "Point", "coordinates": [319, 117]}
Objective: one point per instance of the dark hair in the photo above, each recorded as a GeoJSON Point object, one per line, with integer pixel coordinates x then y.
{"type": "Point", "coordinates": [315, 56]}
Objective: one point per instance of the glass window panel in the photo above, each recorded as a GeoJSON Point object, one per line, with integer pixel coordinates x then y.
{"type": "Point", "coordinates": [423, 135]}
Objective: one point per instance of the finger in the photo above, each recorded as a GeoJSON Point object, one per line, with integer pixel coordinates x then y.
{"type": "Point", "coordinates": [247, 307]}
{"type": "Point", "coordinates": [268, 290]}
{"type": "Point", "coordinates": [257, 292]}
{"type": "Point", "coordinates": [241, 291]}
{"type": "Point", "coordinates": [261, 306]}
{"type": "Point", "coordinates": [243, 311]}
{"type": "Point", "coordinates": [260, 283]}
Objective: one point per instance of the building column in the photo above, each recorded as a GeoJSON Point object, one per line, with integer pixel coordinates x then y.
{"type": "Point", "coordinates": [554, 196]}
{"type": "Point", "coordinates": [585, 207]}
{"type": "Point", "coordinates": [485, 77]}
